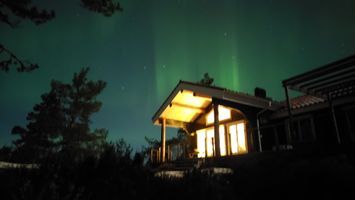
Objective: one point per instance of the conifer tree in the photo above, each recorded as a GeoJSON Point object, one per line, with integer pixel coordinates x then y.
{"type": "Point", "coordinates": [61, 122]}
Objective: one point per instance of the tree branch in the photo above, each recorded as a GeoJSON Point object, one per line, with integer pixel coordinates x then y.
{"type": "Point", "coordinates": [14, 60]}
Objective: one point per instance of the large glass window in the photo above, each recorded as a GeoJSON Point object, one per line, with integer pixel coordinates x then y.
{"type": "Point", "coordinates": [223, 114]}
{"type": "Point", "coordinates": [237, 138]}
{"type": "Point", "coordinates": [205, 141]}
{"type": "Point", "coordinates": [201, 138]}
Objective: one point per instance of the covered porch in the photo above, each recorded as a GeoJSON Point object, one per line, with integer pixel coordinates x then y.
{"type": "Point", "coordinates": [216, 128]}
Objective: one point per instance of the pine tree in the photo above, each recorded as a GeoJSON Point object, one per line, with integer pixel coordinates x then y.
{"type": "Point", "coordinates": [206, 80]}
{"type": "Point", "coordinates": [40, 137]}
{"type": "Point", "coordinates": [61, 122]}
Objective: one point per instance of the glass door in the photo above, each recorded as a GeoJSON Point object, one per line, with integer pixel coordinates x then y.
{"type": "Point", "coordinates": [206, 142]}
{"type": "Point", "coordinates": [237, 138]}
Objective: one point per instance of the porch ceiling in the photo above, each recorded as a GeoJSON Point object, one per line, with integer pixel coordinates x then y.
{"type": "Point", "coordinates": [185, 107]}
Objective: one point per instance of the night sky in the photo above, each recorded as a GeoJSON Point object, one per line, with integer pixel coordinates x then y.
{"type": "Point", "coordinates": [145, 50]}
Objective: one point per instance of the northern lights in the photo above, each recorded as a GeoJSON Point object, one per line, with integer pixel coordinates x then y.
{"type": "Point", "coordinates": [144, 51]}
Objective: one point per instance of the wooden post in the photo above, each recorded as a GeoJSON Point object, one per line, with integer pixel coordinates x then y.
{"type": "Point", "coordinates": [205, 145]}
{"type": "Point", "coordinates": [227, 137]}
{"type": "Point", "coordinates": [216, 130]}
{"type": "Point", "coordinates": [276, 138]}
{"type": "Point", "coordinates": [151, 155]}
{"type": "Point", "coordinates": [168, 152]}
{"type": "Point", "coordinates": [334, 119]}
{"type": "Point", "coordinates": [290, 125]}
{"type": "Point", "coordinates": [163, 136]}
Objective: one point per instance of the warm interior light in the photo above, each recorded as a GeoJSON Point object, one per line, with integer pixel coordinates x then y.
{"type": "Point", "coordinates": [205, 139]}
{"type": "Point", "coordinates": [210, 142]}
{"type": "Point", "coordinates": [223, 114]}
{"type": "Point", "coordinates": [222, 141]}
{"type": "Point", "coordinates": [185, 107]}
{"type": "Point", "coordinates": [233, 138]}
{"type": "Point", "coordinates": [201, 136]}
{"type": "Point", "coordinates": [241, 137]}
{"type": "Point", "coordinates": [187, 98]}
{"type": "Point", "coordinates": [237, 138]}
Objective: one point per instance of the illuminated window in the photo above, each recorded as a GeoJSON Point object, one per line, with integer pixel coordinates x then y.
{"type": "Point", "coordinates": [223, 114]}
{"type": "Point", "coordinates": [233, 138]}
{"type": "Point", "coordinates": [201, 137]}
{"type": "Point", "coordinates": [210, 142]}
{"type": "Point", "coordinates": [241, 137]}
{"type": "Point", "coordinates": [237, 138]}
{"type": "Point", "coordinates": [222, 141]}
{"type": "Point", "coordinates": [205, 140]}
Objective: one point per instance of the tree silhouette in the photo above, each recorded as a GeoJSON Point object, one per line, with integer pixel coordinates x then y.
{"type": "Point", "coordinates": [12, 12]}
{"type": "Point", "coordinates": [61, 122]}
{"type": "Point", "coordinates": [39, 138]}
{"type": "Point", "coordinates": [206, 80]}
{"type": "Point", "coordinates": [105, 7]}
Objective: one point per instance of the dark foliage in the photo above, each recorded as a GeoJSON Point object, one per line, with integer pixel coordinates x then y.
{"type": "Point", "coordinates": [22, 9]}
{"type": "Point", "coordinates": [6, 153]}
{"type": "Point", "coordinates": [116, 175]}
{"type": "Point", "coordinates": [12, 12]}
{"type": "Point", "coordinates": [206, 80]}
{"type": "Point", "coordinates": [61, 122]}
{"type": "Point", "coordinates": [105, 7]}
{"type": "Point", "coordinates": [12, 60]}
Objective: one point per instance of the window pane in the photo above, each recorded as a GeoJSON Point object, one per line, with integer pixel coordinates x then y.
{"type": "Point", "coordinates": [233, 138]}
{"type": "Point", "coordinates": [210, 142]}
{"type": "Point", "coordinates": [222, 141]}
{"type": "Point", "coordinates": [223, 114]}
{"type": "Point", "coordinates": [201, 138]}
{"type": "Point", "coordinates": [241, 137]}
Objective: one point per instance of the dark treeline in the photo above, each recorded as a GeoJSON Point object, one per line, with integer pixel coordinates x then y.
{"type": "Point", "coordinates": [117, 174]}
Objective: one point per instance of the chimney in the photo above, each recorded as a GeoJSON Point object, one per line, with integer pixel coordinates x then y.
{"type": "Point", "coordinates": [260, 92]}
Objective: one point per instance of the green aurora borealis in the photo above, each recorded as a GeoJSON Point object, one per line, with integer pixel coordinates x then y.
{"type": "Point", "coordinates": [144, 51]}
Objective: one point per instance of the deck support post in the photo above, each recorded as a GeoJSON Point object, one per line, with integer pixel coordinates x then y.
{"type": "Point", "coordinates": [163, 137]}
{"type": "Point", "coordinates": [151, 155]}
{"type": "Point", "coordinates": [216, 130]}
{"type": "Point", "coordinates": [227, 139]}
{"type": "Point", "coordinates": [334, 119]}
{"type": "Point", "coordinates": [290, 125]}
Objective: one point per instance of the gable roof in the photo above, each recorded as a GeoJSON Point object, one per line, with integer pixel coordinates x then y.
{"type": "Point", "coordinates": [188, 100]}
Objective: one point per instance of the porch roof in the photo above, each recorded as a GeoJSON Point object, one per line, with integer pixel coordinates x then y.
{"type": "Point", "coordinates": [189, 100]}
{"type": "Point", "coordinates": [333, 80]}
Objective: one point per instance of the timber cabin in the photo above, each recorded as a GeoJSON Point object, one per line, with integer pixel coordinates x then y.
{"type": "Point", "coordinates": [221, 122]}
